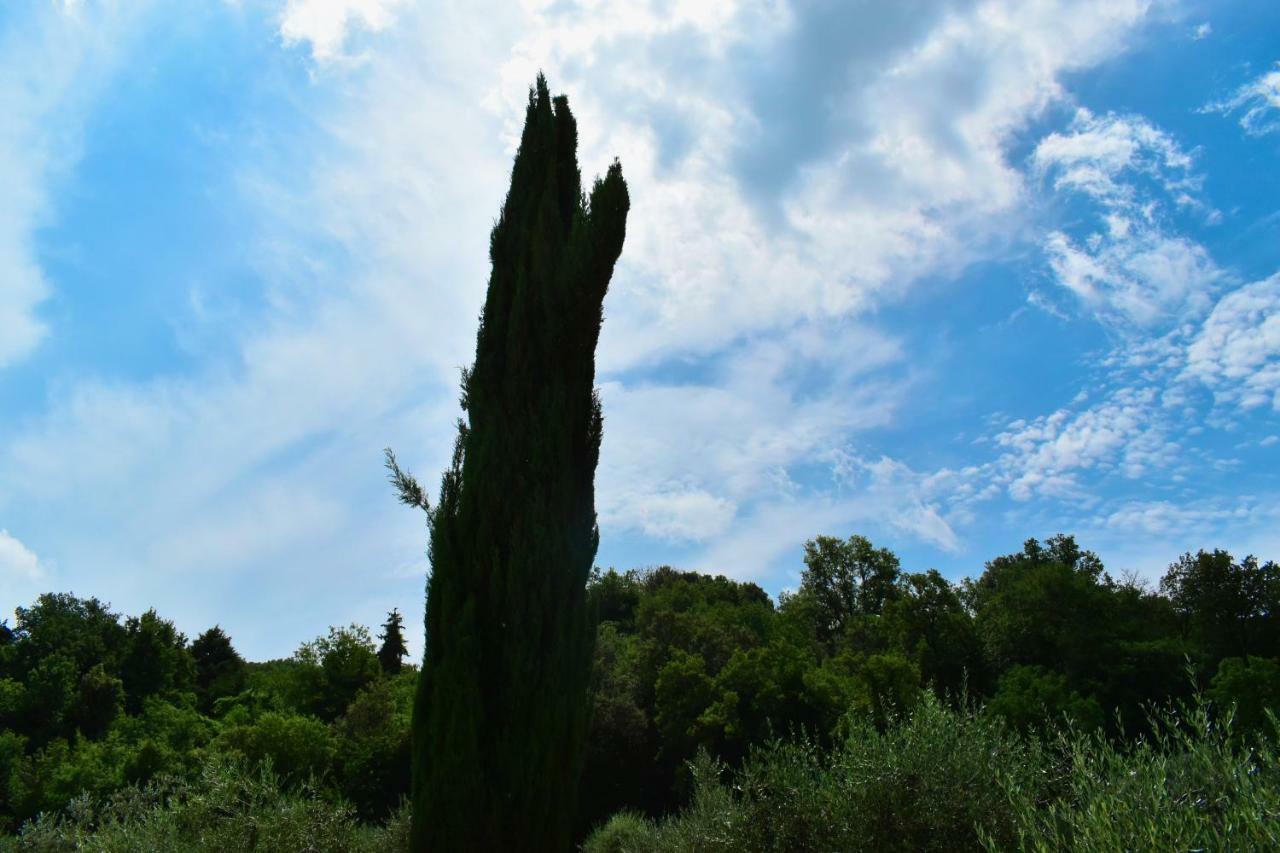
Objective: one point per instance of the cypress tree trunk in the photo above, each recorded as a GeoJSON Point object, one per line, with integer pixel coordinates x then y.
{"type": "Point", "coordinates": [501, 710]}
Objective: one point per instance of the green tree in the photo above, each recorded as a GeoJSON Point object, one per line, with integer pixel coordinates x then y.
{"type": "Point", "coordinates": [333, 669]}
{"type": "Point", "coordinates": [82, 630]}
{"type": "Point", "coordinates": [1030, 697]}
{"type": "Point", "coordinates": [1228, 608]}
{"type": "Point", "coordinates": [101, 700]}
{"type": "Point", "coordinates": [847, 579]}
{"type": "Point", "coordinates": [372, 760]}
{"type": "Point", "coordinates": [392, 652]}
{"type": "Point", "coordinates": [1049, 606]}
{"type": "Point", "coordinates": [501, 714]}
{"type": "Point", "coordinates": [156, 660]}
{"type": "Point", "coordinates": [929, 623]}
{"type": "Point", "coordinates": [298, 747]}
{"type": "Point", "coordinates": [219, 669]}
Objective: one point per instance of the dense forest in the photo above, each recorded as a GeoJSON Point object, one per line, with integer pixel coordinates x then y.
{"type": "Point", "coordinates": [871, 703]}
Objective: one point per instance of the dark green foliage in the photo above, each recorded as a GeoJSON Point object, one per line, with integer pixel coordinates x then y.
{"type": "Point", "coordinates": [155, 661]}
{"type": "Point", "coordinates": [101, 700]}
{"type": "Point", "coordinates": [84, 631]}
{"type": "Point", "coordinates": [501, 713]}
{"type": "Point", "coordinates": [226, 807]}
{"type": "Point", "coordinates": [1227, 609]}
{"type": "Point", "coordinates": [928, 623]}
{"type": "Point", "coordinates": [927, 783]}
{"type": "Point", "coordinates": [847, 580]}
{"type": "Point", "coordinates": [1033, 696]}
{"type": "Point", "coordinates": [1247, 689]}
{"type": "Point", "coordinates": [392, 652]}
{"type": "Point", "coordinates": [687, 663]}
{"type": "Point", "coordinates": [298, 747]}
{"type": "Point", "coordinates": [957, 780]}
{"type": "Point", "coordinates": [372, 761]}
{"type": "Point", "coordinates": [219, 669]}
{"type": "Point", "coordinates": [1188, 785]}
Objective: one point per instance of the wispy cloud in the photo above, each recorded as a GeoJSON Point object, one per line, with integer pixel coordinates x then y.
{"type": "Point", "coordinates": [57, 58]}
{"type": "Point", "coordinates": [1257, 103]}
{"type": "Point", "coordinates": [1131, 268]}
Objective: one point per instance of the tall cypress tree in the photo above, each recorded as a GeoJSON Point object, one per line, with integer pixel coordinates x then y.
{"type": "Point", "coordinates": [501, 709]}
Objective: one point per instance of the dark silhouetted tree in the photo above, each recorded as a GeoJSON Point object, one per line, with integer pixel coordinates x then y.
{"type": "Point", "coordinates": [156, 660]}
{"type": "Point", "coordinates": [847, 579]}
{"type": "Point", "coordinates": [1228, 608]}
{"type": "Point", "coordinates": [220, 671]}
{"type": "Point", "coordinates": [501, 712]}
{"type": "Point", "coordinates": [392, 651]}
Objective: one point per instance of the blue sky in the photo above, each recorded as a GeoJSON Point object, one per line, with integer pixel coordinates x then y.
{"type": "Point", "coordinates": [949, 274]}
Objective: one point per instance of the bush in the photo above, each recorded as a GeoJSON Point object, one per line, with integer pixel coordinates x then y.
{"type": "Point", "coordinates": [298, 747]}
{"type": "Point", "coordinates": [1190, 786]}
{"type": "Point", "coordinates": [939, 779]}
{"type": "Point", "coordinates": [625, 832]}
{"type": "Point", "coordinates": [228, 807]}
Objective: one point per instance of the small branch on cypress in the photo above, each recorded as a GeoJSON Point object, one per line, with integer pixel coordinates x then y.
{"type": "Point", "coordinates": [408, 489]}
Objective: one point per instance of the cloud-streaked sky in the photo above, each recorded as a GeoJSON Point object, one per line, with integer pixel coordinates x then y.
{"type": "Point", "coordinates": [948, 273]}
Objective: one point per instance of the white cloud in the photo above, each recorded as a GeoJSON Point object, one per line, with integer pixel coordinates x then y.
{"type": "Point", "coordinates": [1132, 269]}
{"type": "Point", "coordinates": [713, 447]}
{"type": "Point", "coordinates": [1097, 152]}
{"type": "Point", "coordinates": [326, 24]}
{"type": "Point", "coordinates": [1125, 434]}
{"type": "Point", "coordinates": [1258, 103]}
{"type": "Point", "coordinates": [746, 279]}
{"type": "Point", "coordinates": [1237, 351]}
{"type": "Point", "coordinates": [57, 58]}
{"type": "Point", "coordinates": [1202, 31]}
{"type": "Point", "coordinates": [860, 210]}
{"type": "Point", "coordinates": [881, 496]}
{"type": "Point", "coordinates": [1136, 275]}
{"type": "Point", "coordinates": [17, 561]}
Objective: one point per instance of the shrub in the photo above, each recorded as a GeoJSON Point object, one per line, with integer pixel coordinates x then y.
{"type": "Point", "coordinates": [939, 779]}
{"type": "Point", "coordinates": [230, 806]}
{"type": "Point", "coordinates": [1190, 786]}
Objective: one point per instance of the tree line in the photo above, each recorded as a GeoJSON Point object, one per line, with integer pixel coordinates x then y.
{"type": "Point", "coordinates": [685, 664]}
{"type": "Point", "coordinates": [91, 703]}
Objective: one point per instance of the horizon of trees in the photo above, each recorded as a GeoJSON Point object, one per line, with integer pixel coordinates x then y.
{"type": "Point", "coordinates": [91, 702]}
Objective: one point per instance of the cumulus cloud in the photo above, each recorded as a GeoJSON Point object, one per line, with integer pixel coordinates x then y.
{"type": "Point", "coordinates": [17, 561]}
{"type": "Point", "coordinates": [700, 106]}
{"type": "Point", "coordinates": [326, 24]}
{"type": "Point", "coordinates": [1132, 269]}
{"type": "Point", "coordinates": [1124, 433]}
{"type": "Point", "coordinates": [1237, 350]}
{"type": "Point", "coordinates": [1257, 103]}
